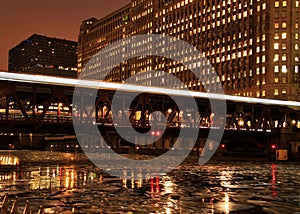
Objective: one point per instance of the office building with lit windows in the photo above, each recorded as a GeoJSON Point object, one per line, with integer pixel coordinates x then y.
{"type": "Point", "coordinates": [97, 34]}
{"type": "Point", "coordinates": [44, 55]}
{"type": "Point", "coordinates": [253, 45]}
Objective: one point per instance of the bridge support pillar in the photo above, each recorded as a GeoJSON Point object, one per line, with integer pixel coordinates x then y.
{"type": "Point", "coordinates": [159, 144]}
{"type": "Point", "coordinates": [285, 137]}
{"type": "Point", "coordinates": [282, 140]}
{"type": "Point", "coordinates": [6, 108]}
{"type": "Point", "coordinates": [295, 145]}
{"type": "Point", "coordinates": [114, 141]}
{"type": "Point", "coordinates": [31, 141]}
{"type": "Point", "coordinates": [168, 142]}
{"type": "Point", "coordinates": [9, 142]}
{"type": "Point", "coordinates": [201, 142]}
{"type": "Point", "coordinates": [102, 143]}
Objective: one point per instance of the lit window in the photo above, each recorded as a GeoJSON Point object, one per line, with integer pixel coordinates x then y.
{"type": "Point", "coordinates": [276, 68]}
{"type": "Point", "coordinates": [276, 3]}
{"type": "Point", "coordinates": [284, 3]}
{"type": "Point", "coordinates": [296, 47]}
{"type": "Point", "coordinates": [283, 24]}
{"type": "Point", "coordinates": [276, 25]}
{"type": "Point", "coordinates": [276, 92]}
{"type": "Point", "coordinates": [296, 35]}
{"type": "Point", "coordinates": [283, 91]}
{"type": "Point", "coordinates": [257, 94]}
{"type": "Point", "coordinates": [276, 36]}
{"type": "Point", "coordinates": [276, 46]}
{"type": "Point", "coordinates": [284, 69]}
{"type": "Point", "coordinates": [283, 46]}
{"type": "Point", "coordinates": [276, 57]}
{"type": "Point", "coordinates": [276, 80]}
{"type": "Point", "coordinates": [257, 71]}
{"type": "Point", "coordinates": [283, 57]}
{"type": "Point", "coordinates": [296, 69]}
{"type": "Point", "coordinates": [284, 35]}
{"type": "Point", "coordinates": [263, 93]}
{"type": "Point", "coordinates": [297, 3]}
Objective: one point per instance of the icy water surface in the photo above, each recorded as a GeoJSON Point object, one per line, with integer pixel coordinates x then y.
{"type": "Point", "coordinates": [69, 183]}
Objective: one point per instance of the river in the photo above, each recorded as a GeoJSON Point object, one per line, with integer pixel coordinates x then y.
{"type": "Point", "coordinates": [69, 183]}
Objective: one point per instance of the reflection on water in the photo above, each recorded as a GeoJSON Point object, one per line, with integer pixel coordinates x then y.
{"type": "Point", "coordinates": [215, 188]}
{"type": "Point", "coordinates": [226, 178]}
{"type": "Point", "coordinates": [56, 177]}
{"type": "Point", "coordinates": [8, 160]}
{"type": "Point", "coordinates": [226, 203]}
{"type": "Point", "coordinates": [274, 179]}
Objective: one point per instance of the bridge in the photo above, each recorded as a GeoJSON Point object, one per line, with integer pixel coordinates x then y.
{"type": "Point", "coordinates": [43, 104]}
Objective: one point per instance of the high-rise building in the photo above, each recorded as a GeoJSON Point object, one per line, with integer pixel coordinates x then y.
{"type": "Point", "coordinates": [97, 34]}
{"type": "Point", "coordinates": [253, 45]}
{"type": "Point", "coordinates": [44, 55]}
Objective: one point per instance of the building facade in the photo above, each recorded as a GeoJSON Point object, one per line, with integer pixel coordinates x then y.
{"type": "Point", "coordinates": [44, 55]}
{"type": "Point", "coordinates": [252, 45]}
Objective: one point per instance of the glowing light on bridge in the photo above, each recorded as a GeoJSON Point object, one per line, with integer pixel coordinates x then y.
{"type": "Point", "coordinates": [92, 84]}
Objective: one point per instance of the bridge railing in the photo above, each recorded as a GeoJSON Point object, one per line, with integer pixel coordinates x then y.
{"type": "Point", "coordinates": [15, 117]}
{"type": "Point", "coordinates": [52, 119]}
{"type": "Point", "coordinates": [62, 119]}
{"type": "Point", "coordinates": [57, 119]}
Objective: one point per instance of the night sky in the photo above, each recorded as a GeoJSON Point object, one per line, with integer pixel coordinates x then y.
{"type": "Point", "coordinates": [55, 18]}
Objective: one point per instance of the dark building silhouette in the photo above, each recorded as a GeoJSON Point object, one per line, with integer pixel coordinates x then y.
{"type": "Point", "coordinates": [44, 55]}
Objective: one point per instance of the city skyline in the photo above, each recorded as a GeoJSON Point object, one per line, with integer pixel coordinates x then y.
{"type": "Point", "coordinates": [254, 61]}
{"type": "Point", "coordinates": [17, 24]}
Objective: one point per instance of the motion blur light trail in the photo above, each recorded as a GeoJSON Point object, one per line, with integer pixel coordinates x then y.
{"type": "Point", "coordinates": [92, 84]}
